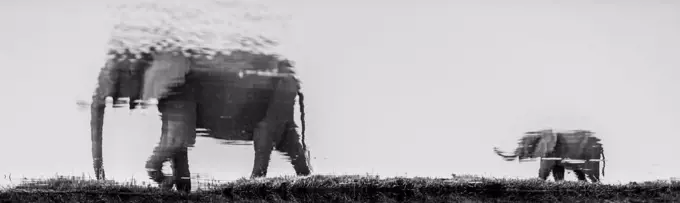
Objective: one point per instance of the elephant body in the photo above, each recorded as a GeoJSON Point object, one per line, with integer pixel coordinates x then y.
{"type": "Point", "coordinates": [211, 94]}
{"type": "Point", "coordinates": [577, 150]}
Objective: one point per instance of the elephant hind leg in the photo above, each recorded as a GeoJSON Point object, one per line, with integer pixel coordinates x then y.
{"type": "Point", "coordinates": [545, 168]}
{"type": "Point", "coordinates": [558, 172]}
{"type": "Point", "coordinates": [290, 146]}
{"type": "Point", "coordinates": [594, 172]}
{"type": "Point", "coordinates": [593, 178]}
{"type": "Point", "coordinates": [580, 175]}
{"type": "Point", "coordinates": [263, 143]}
{"type": "Point", "coordinates": [180, 170]}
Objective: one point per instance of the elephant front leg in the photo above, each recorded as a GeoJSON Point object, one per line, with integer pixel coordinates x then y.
{"type": "Point", "coordinates": [290, 145]}
{"type": "Point", "coordinates": [545, 168]}
{"type": "Point", "coordinates": [177, 133]}
{"type": "Point", "coordinates": [263, 145]}
{"type": "Point", "coordinates": [558, 172]}
{"type": "Point", "coordinates": [154, 165]}
{"type": "Point", "coordinates": [180, 170]}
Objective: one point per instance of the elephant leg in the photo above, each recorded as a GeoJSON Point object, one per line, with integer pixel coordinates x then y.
{"type": "Point", "coordinates": [545, 168]}
{"type": "Point", "coordinates": [180, 170]}
{"type": "Point", "coordinates": [290, 145]}
{"type": "Point", "coordinates": [594, 172]}
{"type": "Point", "coordinates": [580, 175]}
{"type": "Point", "coordinates": [263, 144]}
{"type": "Point", "coordinates": [558, 172]}
{"type": "Point", "coordinates": [154, 166]}
{"type": "Point", "coordinates": [593, 177]}
{"type": "Point", "coordinates": [177, 133]}
{"type": "Point", "coordinates": [271, 129]}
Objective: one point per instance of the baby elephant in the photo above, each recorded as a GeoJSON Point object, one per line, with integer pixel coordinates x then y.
{"type": "Point", "coordinates": [576, 150]}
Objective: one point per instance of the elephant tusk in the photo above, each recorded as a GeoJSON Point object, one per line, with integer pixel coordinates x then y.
{"type": "Point", "coordinates": [574, 161]}
{"type": "Point", "coordinates": [122, 102]}
{"type": "Point", "coordinates": [526, 160]}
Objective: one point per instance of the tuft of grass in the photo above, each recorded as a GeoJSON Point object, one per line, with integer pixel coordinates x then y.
{"type": "Point", "coordinates": [348, 188]}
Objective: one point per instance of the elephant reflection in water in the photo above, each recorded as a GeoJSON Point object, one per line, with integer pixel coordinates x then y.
{"type": "Point", "coordinates": [576, 150]}
{"type": "Point", "coordinates": [208, 94]}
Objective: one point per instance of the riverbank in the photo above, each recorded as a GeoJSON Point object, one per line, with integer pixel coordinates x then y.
{"type": "Point", "coordinates": [346, 188]}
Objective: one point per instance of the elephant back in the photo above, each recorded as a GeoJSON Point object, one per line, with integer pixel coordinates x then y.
{"type": "Point", "coordinates": [229, 103]}
{"type": "Point", "coordinates": [579, 145]}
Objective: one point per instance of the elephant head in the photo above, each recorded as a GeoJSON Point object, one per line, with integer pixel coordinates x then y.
{"type": "Point", "coordinates": [121, 77]}
{"type": "Point", "coordinates": [532, 145]}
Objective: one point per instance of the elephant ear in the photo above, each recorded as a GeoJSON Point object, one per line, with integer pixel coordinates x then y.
{"type": "Point", "coordinates": [546, 143]}
{"type": "Point", "coordinates": [167, 70]}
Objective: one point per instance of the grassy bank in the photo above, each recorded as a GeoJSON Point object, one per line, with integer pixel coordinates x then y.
{"type": "Point", "coordinates": [354, 188]}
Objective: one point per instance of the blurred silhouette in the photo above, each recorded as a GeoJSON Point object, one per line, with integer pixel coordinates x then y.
{"type": "Point", "coordinates": [576, 150]}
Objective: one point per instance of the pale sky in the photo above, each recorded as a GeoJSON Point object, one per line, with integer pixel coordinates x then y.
{"type": "Point", "coordinates": [415, 88]}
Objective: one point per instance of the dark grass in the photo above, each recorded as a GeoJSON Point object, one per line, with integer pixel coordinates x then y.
{"type": "Point", "coordinates": [348, 188]}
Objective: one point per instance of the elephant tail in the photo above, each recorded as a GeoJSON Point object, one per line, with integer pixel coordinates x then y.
{"type": "Point", "coordinates": [604, 161]}
{"type": "Point", "coordinates": [302, 118]}
{"type": "Point", "coordinates": [303, 124]}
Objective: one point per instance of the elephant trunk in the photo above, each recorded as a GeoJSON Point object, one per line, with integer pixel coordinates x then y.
{"type": "Point", "coordinates": [96, 127]}
{"type": "Point", "coordinates": [106, 84]}
{"type": "Point", "coordinates": [604, 161]}
{"type": "Point", "coordinates": [506, 157]}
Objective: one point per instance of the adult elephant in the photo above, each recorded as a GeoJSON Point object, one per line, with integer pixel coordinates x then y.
{"type": "Point", "coordinates": [577, 150]}
{"type": "Point", "coordinates": [225, 94]}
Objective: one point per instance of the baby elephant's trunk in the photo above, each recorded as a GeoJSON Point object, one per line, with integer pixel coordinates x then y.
{"type": "Point", "coordinates": [506, 157]}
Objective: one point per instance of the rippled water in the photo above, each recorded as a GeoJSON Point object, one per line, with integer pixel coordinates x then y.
{"type": "Point", "coordinates": [388, 93]}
